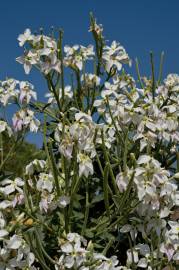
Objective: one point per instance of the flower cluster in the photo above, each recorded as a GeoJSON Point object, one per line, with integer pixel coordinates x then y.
{"type": "Point", "coordinates": [41, 52]}
{"type": "Point", "coordinates": [77, 55]}
{"type": "Point", "coordinates": [12, 90]}
{"type": "Point", "coordinates": [77, 254]}
{"type": "Point", "coordinates": [21, 93]}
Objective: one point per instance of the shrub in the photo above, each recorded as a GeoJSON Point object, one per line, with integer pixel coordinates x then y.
{"type": "Point", "coordinates": [105, 193]}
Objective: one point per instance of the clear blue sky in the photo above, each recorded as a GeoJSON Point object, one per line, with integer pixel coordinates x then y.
{"type": "Point", "coordinates": [139, 25]}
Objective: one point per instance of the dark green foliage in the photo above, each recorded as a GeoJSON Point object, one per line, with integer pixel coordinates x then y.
{"type": "Point", "coordinates": [22, 153]}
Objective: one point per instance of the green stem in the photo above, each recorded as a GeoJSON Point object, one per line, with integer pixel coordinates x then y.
{"type": "Point", "coordinates": [108, 161]}
{"type": "Point", "coordinates": [55, 169]}
{"type": "Point", "coordinates": [79, 93]}
{"type": "Point", "coordinates": [86, 208]}
{"type": "Point", "coordinates": [51, 159]}
{"type": "Point", "coordinates": [52, 87]}
{"type": "Point", "coordinates": [177, 154]}
{"type": "Point", "coordinates": [161, 68]}
{"type": "Point", "coordinates": [38, 254]}
{"type": "Point", "coordinates": [125, 152]}
{"type": "Point", "coordinates": [42, 248]}
{"type": "Point", "coordinates": [62, 68]}
{"type": "Point", "coordinates": [98, 44]}
{"type": "Point", "coordinates": [114, 123]}
{"type": "Point", "coordinates": [126, 193]}
{"type": "Point", "coordinates": [153, 75]}
{"type": "Point", "coordinates": [105, 189]}
{"type": "Point", "coordinates": [99, 164]}
{"type": "Point", "coordinates": [109, 244]}
{"type": "Point", "coordinates": [44, 109]}
{"type": "Point", "coordinates": [8, 155]}
{"type": "Point", "coordinates": [132, 254]}
{"type": "Point", "coordinates": [138, 73]}
{"type": "Point", "coordinates": [1, 147]}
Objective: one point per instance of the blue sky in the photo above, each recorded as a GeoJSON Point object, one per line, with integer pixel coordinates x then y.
{"type": "Point", "coordinates": [139, 25]}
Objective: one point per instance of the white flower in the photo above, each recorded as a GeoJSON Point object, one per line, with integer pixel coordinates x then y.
{"type": "Point", "coordinates": [126, 228]}
{"type": "Point", "coordinates": [63, 201]}
{"type": "Point", "coordinates": [172, 81]}
{"type": "Point", "coordinates": [144, 249]}
{"type": "Point", "coordinates": [4, 126]}
{"type": "Point", "coordinates": [8, 91]}
{"type": "Point", "coordinates": [66, 145]}
{"type": "Point", "coordinates": [84, 268]}
{"type": "Point", "coordinates": [70, 50]}
{"type": "Point", "coordinates": [176, 175]}
{"type": "Point", "coordinates": [98, 28]}
{"type": "Point", "coordinates": [83, 117]}
{"type": "Point", "coordinates": [174, 227]}
{"type": "Point", "coordinates": [68, 93]}
{"type": "Point", "coordinates": [45, 182]}
{"type": "Point", "coordinates": [74, 237]}
{"type": "Point", "coordinates": [46, 202]}
{"type": "Point", "coordinates": [69, 262]}
{"type": "Point", "coordinates": [24, 37]}
{"type": "Point", "coordinates": [34, 125]}
{"type": "Point", "coordinates": [76, 55]}
{"type": "Point", "coordinates": [132, 255]}
{"type": "Point", "coordinates": [50, 47]}
{"type": "Point", "coordinates": [109, 90]}
{"type": "Point", "coordinates": [52, 64]}
{"type": "Point", "coordinates": [73, 57]}
{"type": "Point", "coordinates": [3, 233]}
{"type": "Point", "coordinates": [18, 119]}
{"type": "Point", "coordinates": [35, 165]}
{"type": "Point", "coordinates": [30, 259]}
{"type": "Point", "coordinates": [2, 220]}
{"type": "Point", "coordinates": [18, 200]}
{"type": "Point", "coordinates": [25, 118]}
{"type": "Point", "coordinates": [67, 248]}
{"type": "Point", "coordinates": [27, 60]}
{"type": "Point", "coordinates": [85, 165]}
{"type": "Point", "coordinates": [164, 212]}
{"type": "Point", "coordinates": [90, 79]}
{"type": "Point", "coordinates": [115, 56]}
{"type": "Point", "coordinates": [9, 186]}
{"type": "Point", "coordinates": [108, 264]}
{"type": "Point", "coordinates": [14, 242]}
{"type": "Point", "coordinates": [87, 52]}
{"type": "Point", "coordinates": [122, 180]}
{"type": "Point", "coordinates": [168, 249]}
{"type": "Point", "coordinates": [142, 263]}
{"type": "Point", "coordinates": [143, 159]}
{"type": "Point", "coordinates": [5, 204]}
{"type": "Point", "coordinates": [26, 92]}
{"type": "Point", "coordinates": [176, 256]}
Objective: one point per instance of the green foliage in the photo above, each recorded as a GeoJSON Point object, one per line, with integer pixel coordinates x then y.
{"type": "Point", "coordinates": [21, 154]}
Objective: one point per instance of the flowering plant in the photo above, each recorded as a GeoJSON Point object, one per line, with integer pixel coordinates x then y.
{"type": "Point", "coordinates": [105, 196]}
